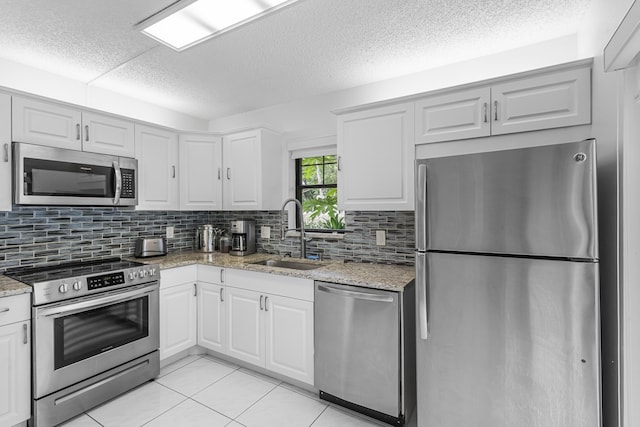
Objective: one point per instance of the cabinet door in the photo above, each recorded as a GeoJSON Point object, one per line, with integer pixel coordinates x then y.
{"type": "Point", "coordinates": [107, 135]}
{"type": "Point", "coordinates": [46, 124]}
{"type": "Point", "coordinates": [453, 116]}
{"type": "Point", "coordinates": [543, 102]}
{"type": "Point", "coordinates": [375, 159]}
{"type": "Point", "coordinates": [245, 336]}
{"type": "Point", "coordinates": [5, 152]}
{"type": "Point", "coordinates": [177, 319]}
{"type": "Point", "coordinates": [200, 172]}
{"type": "Point", "coordinates": [289, 337]}
{"type": "Point", "coordinates": [15, 372]}
{"type": "Point", "coordinates": [157, 154]}
{"type": "Point", "coordinates": [242, 171]}
{"type": "Point", "coordinates": [211, 317]}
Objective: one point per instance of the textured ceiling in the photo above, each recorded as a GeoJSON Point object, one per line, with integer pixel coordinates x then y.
{"type": "Point", "coordinates": [312, 47]}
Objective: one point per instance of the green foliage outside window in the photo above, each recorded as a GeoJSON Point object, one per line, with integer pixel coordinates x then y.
{"type": "Point", "coordinates": [317, 188]}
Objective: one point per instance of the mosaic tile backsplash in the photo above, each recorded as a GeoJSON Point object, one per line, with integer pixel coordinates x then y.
{"type": "Point", "coordinates": [32, 236]}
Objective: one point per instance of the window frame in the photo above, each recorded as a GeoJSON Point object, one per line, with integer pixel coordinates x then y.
{"type": "Point", "coordinates": [299, 188]}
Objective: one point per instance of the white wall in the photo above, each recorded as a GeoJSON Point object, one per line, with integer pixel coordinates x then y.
{"type": "Point", "coordinates": [34, 81]}
{"type": "Point", "coordinates": [312, 117]}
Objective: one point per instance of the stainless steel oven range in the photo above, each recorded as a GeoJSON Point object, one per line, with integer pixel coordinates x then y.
{"type": "Point", "coordinates": [95, 333]}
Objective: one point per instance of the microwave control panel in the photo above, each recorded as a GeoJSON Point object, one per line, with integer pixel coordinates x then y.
{"type": "Point", "coordinates": [128, 184]}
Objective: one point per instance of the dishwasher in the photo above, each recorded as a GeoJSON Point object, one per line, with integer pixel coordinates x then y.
{"type": "Point", "coordinates": [365, 350]}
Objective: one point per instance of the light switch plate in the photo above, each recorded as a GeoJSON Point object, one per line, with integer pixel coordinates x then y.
{"type": "Point", "coordinates": [169, 232]}
{"type": "Point", "coordinates": [265, 232]}
{"type": "Point", "coordinates": [381, 237]}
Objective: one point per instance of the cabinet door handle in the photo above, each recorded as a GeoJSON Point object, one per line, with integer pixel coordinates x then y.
{"type": "Point", "coordinates": [339, 163]}
{"type": "Point", "coordinates": [173, 171]}
{"type": "Point", "coordinates": [486, 118]}
{"type": "Point", "coordinates": [6, 153]}
{"type": "Point", "coordinates": [221, 294]}
{"type": "Point", "coordinates": [219, 173]}
{"type": "Point", "coordinates": [195, 289]}
{"type": "Point", "coordinates": [25, 339]}
{"type": "Point", "coordinates": [266, 307]}
{"type": "Point", "coordinates": [222, 275]}
{"type": "Point", "coordinates": [78, 131]}
{"type": "Point", "coordinates": [86, 132]}
{"type": "Point", "coordinates": [4, 310]}
{"type": "Point", "coordinates": [228, 173]}
{"type": "Point", "coordinates": [261, 298]}
{"type": "Point", "coordinates": [495, 110]}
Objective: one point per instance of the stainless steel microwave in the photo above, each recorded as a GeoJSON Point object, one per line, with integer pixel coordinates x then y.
{"type": "Point", "coordinates": [56, 176]}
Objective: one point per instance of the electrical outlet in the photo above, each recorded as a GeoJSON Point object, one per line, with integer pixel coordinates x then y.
{"type": "Point", "coordinates": [381, 237]}
{"type": "Point", "coordinates": [169, 232]}
{"type": "Point", "coordinates": [265, 232]}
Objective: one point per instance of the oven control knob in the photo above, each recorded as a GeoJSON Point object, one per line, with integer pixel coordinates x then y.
{"type": "Point", "coordinates": [77, 286]}
{"type": "Point", "coordinates": [63, 288]}
{"type": "Point", "coordinates": [152, 272]}
{"type": "Point", "coordinates": [143, 273]}
{"type": "Point", "coordinates": [133, 275]}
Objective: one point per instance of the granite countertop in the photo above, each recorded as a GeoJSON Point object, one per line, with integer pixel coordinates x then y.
{"type": "Point", "coordinates": [378, 276]}
{"type": "Point", "coordinates": [9, 287]}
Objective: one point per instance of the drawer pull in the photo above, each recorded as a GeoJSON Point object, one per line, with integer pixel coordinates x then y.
{"type": "Point", "coordinates": [4, 310]}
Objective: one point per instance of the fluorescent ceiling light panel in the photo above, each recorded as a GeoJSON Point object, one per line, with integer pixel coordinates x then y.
{"type": "Point", "coordinates": [201, 20]}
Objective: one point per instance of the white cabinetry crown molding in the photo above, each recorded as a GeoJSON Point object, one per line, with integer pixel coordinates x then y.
{"type": "Point", "coordinates": [623, 48]}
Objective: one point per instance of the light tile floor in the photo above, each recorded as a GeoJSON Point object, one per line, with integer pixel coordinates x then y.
{"type": "Point", "coordinates": [204, 391]}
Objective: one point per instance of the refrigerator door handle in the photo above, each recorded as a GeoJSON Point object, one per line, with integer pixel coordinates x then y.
{"type": "Point", "coordinates": [421, 289]}
{"type": "Point", "coordinates": [421, 208]}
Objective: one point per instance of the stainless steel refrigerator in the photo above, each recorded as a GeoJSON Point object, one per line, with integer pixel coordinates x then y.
{"type": "Point", "coordinates": [507, 288]}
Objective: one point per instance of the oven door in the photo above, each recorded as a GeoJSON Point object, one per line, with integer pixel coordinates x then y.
{"type": "Point", "coordinates": [75, 340]}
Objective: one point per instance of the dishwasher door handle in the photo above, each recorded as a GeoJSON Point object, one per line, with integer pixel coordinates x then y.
{"type": "Point", "coordinates": [356, 295]}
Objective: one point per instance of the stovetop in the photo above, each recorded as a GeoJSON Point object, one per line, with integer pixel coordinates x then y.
{"type": "Point", "coordinates": [66, 281]}
{"type": "Point", "coordinates": [35, 275]}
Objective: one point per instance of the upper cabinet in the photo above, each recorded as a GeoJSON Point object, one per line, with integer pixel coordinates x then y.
{"type": "Point", "coordinates": [252, 170]}
{"type": "Point", "coordinates": [375, 158]}
{"type": "Point", "coordinates": [542, 101]}
{"type": "Point", "coordinates": [157, 154]}
{"type": "Point", "coordinates": [107, 135]}
{"type": "Point", "coordinates": [5, 152]}
{"type": "Point", "coordinates": [200, 172]}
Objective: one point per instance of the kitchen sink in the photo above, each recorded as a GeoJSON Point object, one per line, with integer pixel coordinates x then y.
{"type": "Point", "coordinates": [294, 265]}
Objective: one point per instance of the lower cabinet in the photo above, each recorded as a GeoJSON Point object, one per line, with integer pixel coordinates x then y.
{"type": "Point", "coordinates": [262, 319]}
{"type": "Point", "coordinates": [15, 359]}
{"type": "Point", "coordinates": [177, 310]}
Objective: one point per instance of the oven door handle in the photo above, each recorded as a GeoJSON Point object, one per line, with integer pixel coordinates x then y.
{"type": "Point", "coordinates": [92, 304]}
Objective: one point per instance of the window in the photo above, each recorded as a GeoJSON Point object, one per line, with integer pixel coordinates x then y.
{"type": "Point", "coordinates": [317, 190]}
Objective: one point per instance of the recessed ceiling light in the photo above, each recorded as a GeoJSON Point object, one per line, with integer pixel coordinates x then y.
{"type": "Point", "coordinates": [187, 23]}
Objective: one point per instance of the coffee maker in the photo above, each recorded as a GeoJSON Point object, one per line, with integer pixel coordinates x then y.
{"type": "Point", "coordinates": [243, 238]}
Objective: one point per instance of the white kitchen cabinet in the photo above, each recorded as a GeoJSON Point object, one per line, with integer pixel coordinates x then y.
{"type": "Point", "coordinates": [5, 152]}
{"type": "Point", "coordinates": [546, 101]}
{"type": "Point", "coordinates": [200, 172]}
{"type": "Point", "coordinates": [107, 135]}
{"type": "Point", "coordinates": [289, 337]}
{"type": "Point", "coordinates": [60, 126]}
{"type": "Point", "coordinates": [212, 312]}
{"type": "Point", "coordinates": [452, 116]}
{"type": "Point", "coordinates": [48, 124]}
{"type": "Point", "coordinates": [245, 325]}
{"type": "Point", "coordinates": [252, 170]}
{"type": "Point", "coordinates": [157, 154]}
{"type": "Point", "coordinates": [270, 322]}
{"type": "Point", "coordinates": [178, 297]}
{"type": "Point", "coordinates": [15, 359]}
{"type": "Point", "coordinates": [375, 158]}
{"type": "Point", "coordinates": [543, 100]}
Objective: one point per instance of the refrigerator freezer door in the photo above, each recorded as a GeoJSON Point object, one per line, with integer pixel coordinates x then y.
{"type": "Point", "coordinates": [537, 201]}
{"type": "Point", "coordinates": [512, 342]}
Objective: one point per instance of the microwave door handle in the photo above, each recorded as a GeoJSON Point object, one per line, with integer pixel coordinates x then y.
{"type": "Point", "coordinates": [116, 167]}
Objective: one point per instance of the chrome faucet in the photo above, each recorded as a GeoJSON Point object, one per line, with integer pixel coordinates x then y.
{"type": "Point", "coordinates": [284, 227]}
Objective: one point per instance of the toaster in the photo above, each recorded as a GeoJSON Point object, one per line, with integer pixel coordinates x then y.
{"type": "Point", "coordinates": [146, 247]}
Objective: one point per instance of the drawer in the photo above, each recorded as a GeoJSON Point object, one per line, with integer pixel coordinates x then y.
{"type": "Point", "coordinates": [210, 274]}
{"type": "Point", "coordinates": [16, 308]}
{"type": "Point", "coordinates": [178, 276]}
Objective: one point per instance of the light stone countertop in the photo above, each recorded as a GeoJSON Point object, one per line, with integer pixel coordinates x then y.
{"type": "Point", "coordinates": [379, 276]}
{"type": "Point", "coordinates": [9, 287]}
